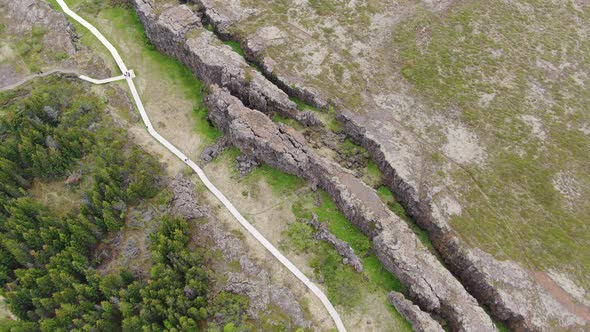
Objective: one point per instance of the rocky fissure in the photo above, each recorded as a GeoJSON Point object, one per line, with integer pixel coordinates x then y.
{"type": "Point", "coordinates": [523, 305]}
{"type": "Point", "coordinates": [428, 282]}
{"type": "Point", "coordinates": [421, 321]}
{"type": "Point", "coordinates": [178, 31]}
{"type": "Point", "coordinates": [505, 287]}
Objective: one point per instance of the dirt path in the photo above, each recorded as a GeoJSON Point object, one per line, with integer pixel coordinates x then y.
{"type": "Point", "coordinates": [42, 74]}
{"type": "Point", "coordinates": [561, 295]}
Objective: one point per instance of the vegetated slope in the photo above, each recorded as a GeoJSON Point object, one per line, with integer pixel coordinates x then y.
{"type": "Point", "coordinates": [49, 263]}
{"type": "Point", "coordinates": [518, 76]}
{"type": "Point", "coordinates": [504, 82]}
{"type": "Point", "coordinates": [474, 110]}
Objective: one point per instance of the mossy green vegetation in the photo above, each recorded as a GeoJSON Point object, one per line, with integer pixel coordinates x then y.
{"type": "Point", "coordinates": [236, 47]}
{"type": "Point", "coordinates": [510, 70]}
{"type": "Point", "coordinates": [29, 48]}
{"type": "Point", "coordinates": [343, 229]}
{"type": "Point", "coordinates": [280, 182]}
{"type": "Point", "coordinates": [303, 106]}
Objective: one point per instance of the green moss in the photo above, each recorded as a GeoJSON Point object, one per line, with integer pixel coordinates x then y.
{"type": "Point", "coordinates": [301, 236]}
{"type": "Point", "coordinates": [236, 47]}
{"type": "Point", "coordinates": [303, 106]}
{"type": "Point", "coordinates": [280, 182]}
{"type": "Point", "coordinates": [203, 126]}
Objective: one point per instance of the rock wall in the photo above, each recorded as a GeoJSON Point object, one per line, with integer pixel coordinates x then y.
{"type": "Point", "coordinates": [253, 47]}
{"type": "Point", "coordinates": [421, 321]}
{"type": "Point", "coordinates": [401, 252]}
{"type": "Point", "coordinates": [504, 287]}
{"type": "Point", "coordinates": [178, 32]}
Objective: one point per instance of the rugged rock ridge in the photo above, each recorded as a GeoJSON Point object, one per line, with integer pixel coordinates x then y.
{"type": "Point", "coordinates": [421, 321]}
{"type": "Point", "coordinates": [428, 282]}
{"type": "Point", "coordinates": [512, 295]}
{"type": "Point", "coordinates": [253, 46]}
{"type": "Point", "coordinates": [504, 286]}
{"type": "Point", "coordinates": [178, 31]}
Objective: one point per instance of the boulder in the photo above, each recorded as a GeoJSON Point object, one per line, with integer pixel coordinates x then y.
{"type": "Point", "coordinates": [184, 202]}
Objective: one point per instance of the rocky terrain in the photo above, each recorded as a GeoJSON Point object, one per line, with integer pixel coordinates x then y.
{"type": "Point", "coordinates": [436, 165]}
{"type": "Point", "coordinates": [251, 279]}
{"type": "Point", "coordinates": [428, 282]}
{"type": "Point", "coordinates": [343, 248]}
{"type": "Point", "coordinates": [55, 47]}
{"type": "Point", "coordinates": [421, 322]}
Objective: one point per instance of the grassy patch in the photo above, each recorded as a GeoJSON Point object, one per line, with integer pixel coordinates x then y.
{"type": "Point", "coordinates": [303, 106]}
{"type": "Point", "coordinates": [344, 286]}
{"type": "Point", "coordinates": [287, 121]}
{"type": "Point", "coordinates": [29, 48]}
{"type": "Point", "coordinates": [372, 175]}
{"type": "Point", "coordinates": [280, 182]}
{"type": "Point", "coordinates": [236, 47]}
{"type": "Point", "coordinates": [343, 229]}
{"type": "Point", "coordinates": [497, 62]}
{"type": "Point", "coordinates": [129, 37]}
{"type": "Point", "coordinates": [56, 195]}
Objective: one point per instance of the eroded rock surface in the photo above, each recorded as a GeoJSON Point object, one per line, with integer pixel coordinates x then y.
{"type": "Point", "coordinates": [245, 164]}
{"type": "Point", "coordinates": [178, 32]}
{"type": "Point", "coordinates": [512, 295]}
{"type": "Point", "coordinates": [252, 281]}
{"type": "Point", "coordinates": [51, 28]}
{"type": "Point", "coordinates": [421, 321]}
{"type": "Point", "coordinates": [213, 150]}
{"type": "Point", "coordinates": [184, 202]}
{"type": "Point", "coordinates": [429, 283]}
{"type": "Point", "coordinates": [404, 155]}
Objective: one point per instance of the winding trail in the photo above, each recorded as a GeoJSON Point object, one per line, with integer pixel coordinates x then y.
{"type": "Point", "coordinates": [34, 76]}
{"type": "Point", "coordinates": [129, 75]}
{"type": "Point", "coordinates": [26, 79]}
